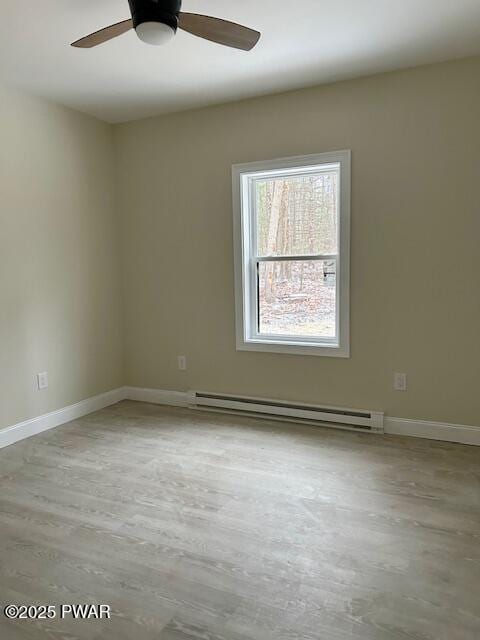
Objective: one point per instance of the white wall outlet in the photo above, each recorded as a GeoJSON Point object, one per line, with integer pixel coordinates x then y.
{"type": "Point", "coordinates": [182, 363]}
{"type": "Point", "coordinates": [42, 381]}
{"type": "Point", "coordinates": [400, 382]}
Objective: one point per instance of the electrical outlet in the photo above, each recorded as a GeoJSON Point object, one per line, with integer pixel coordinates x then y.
{"type": "Point", "coordinates": [400, 382]}
{"type": "Point", "coordinates": [42, 381]}
{"type": "Point", "coordinates": [182, 363]}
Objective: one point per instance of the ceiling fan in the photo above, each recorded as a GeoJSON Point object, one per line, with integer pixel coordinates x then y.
{"type": "Point", "coordinates": [157, 21]}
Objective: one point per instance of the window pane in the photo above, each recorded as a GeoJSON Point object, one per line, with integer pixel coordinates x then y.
{"type": "Point", "coordinates": [297, 298]}
{"type": "Point", "coordinates": [297, 215]}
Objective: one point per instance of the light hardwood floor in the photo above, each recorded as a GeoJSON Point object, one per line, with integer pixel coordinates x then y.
{"type": "Point", "coordinates": [205, 527]}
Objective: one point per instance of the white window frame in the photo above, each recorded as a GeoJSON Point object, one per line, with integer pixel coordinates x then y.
{"type": "Point", "coordinates": [246, 264]}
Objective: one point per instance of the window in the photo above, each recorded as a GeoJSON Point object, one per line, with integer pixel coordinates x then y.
{"type": "Point", "coordinates": [292, 254]}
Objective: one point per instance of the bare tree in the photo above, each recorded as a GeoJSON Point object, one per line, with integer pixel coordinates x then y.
{"type": "Point", "coordinates": [279, 205]}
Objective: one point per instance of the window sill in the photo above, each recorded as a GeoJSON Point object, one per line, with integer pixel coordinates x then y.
{"type": "Point", "coordinates": [325, 350]}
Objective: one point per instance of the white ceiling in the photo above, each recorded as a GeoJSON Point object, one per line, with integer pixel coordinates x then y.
{"type": "Point", "coordinates": [304, 43]}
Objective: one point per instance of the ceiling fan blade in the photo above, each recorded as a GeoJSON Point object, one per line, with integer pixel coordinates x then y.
{"type": "Point", "coordinates": [224, 32]}
{"type": "Point", "coordinates": [104, 35]}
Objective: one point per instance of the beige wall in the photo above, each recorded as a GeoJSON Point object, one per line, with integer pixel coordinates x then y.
{"type": "Point", "coordinates": [415, 138]}
{"type": "Point", "coordinates": [59, 258]}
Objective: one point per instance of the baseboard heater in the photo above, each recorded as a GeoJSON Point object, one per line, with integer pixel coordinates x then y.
{"type": "Point", "coordinates": [349, 419]}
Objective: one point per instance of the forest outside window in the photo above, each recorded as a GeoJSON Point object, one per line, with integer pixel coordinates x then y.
{"type": "Point", "coordinates": [292, 246]}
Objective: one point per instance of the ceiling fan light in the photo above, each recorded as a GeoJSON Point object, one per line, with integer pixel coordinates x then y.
{"type": "Point", "coordinates": [156, 33]}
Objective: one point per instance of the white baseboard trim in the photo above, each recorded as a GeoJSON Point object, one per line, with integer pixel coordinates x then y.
{"type": "Point", "coordinates": [32, 427]}
{"type": "Point", "coordinates": [462, 434]}
{"type": "Point", "coordinates": [394, 426]}
{"type": "Point", "coordinates": [157, 396]}
{"type": "Point", "coordinates": [442, 431]}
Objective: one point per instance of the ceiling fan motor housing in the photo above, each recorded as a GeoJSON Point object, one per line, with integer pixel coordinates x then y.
{"type": "Point", "coordinates": [164, 11]}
